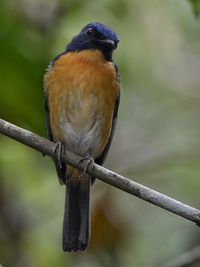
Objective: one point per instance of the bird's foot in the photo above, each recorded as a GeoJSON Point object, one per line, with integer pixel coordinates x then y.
{"type": "Point", "coordinates": [88, 160]}
{"type": "Point", "coordinates": [58, 152]}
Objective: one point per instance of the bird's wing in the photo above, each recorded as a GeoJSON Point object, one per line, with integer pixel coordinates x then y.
{"type": "Point", "coordinates": [61, 169]}
{"type": "Point", "coordinates": [100, 160]}
{"type": "Point", "coordinates": [47, 118]}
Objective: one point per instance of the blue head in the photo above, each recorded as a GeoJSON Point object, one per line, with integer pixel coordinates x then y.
{"type": "Point", "coordinates": [95, 36]}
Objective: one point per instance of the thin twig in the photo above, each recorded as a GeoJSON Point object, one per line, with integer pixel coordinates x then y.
{"type": "Point", "coordinates": [46, 147]}
{"type": "Point", "coordinates": [186, 259]}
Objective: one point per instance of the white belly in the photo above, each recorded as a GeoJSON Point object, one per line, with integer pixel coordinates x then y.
{"type": "Point", "coordinates": [83, 140]}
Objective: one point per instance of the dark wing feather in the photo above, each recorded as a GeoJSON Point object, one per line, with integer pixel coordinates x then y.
{"type": "Point", "coordinates": [47, 118]}
{"type": "Point", "coordinates": [61, 170]}
{"type": "Point", "coordinates": [100, 160]}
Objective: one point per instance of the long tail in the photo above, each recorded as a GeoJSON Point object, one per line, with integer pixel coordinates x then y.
{"type": "Point", "coordinates": [76, 216]}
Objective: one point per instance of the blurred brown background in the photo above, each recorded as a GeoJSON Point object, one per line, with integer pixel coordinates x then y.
{"type": "Point", "coordinates": [156, 141]}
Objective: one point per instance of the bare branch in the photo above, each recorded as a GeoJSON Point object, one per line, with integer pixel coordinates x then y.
{"type": "Point", "coordinates": [186, 259]}
{"type": "Point", "coordinates": [46, 147]}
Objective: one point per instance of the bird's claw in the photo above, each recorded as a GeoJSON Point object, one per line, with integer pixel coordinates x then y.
{"type": "Point", "coordinates": [58, 152]}
{"type": "Point", "coordinates": [88, 160]}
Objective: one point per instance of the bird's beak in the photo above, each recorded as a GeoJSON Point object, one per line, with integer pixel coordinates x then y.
{"type": "Point", "coordinates": [107, 42]}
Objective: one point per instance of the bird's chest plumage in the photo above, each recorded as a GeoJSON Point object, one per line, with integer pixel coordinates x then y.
{"type": "Point", "coordinates": [82, 89]}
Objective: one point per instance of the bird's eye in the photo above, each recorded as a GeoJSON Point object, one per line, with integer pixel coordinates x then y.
{"type": "Point", "coordinates": [90, 32]}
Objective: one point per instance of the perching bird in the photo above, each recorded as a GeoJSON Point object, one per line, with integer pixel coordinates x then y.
{"type": "Point", "coordinates": [81, 104]}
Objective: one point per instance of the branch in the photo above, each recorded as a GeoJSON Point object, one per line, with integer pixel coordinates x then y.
{"type": "Point", "coordinates": [186, 259]}
{"type": "Point", "coordinates": [46, 147]}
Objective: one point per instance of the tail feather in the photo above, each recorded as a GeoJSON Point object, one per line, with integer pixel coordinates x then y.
{"type": "Point", "coordinates": [84, 200]}
{"type": "Point", "coordinates": [76, 216]}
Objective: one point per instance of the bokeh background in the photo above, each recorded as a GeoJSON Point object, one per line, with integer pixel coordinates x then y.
{"type": "Point", "coordinates": [156, 141]}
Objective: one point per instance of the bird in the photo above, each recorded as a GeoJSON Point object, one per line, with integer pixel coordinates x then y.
{"type": "Point", "coordinates": [82, 95]}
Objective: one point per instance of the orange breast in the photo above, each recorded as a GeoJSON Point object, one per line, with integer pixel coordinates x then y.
{"type": "Point", "coordinates": [82, 89]}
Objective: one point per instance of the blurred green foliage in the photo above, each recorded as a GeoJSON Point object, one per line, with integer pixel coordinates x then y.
{"type": "Point", "coordinates": [156, 141]}
{"type": "Point", "coordinates": [195, 6]}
